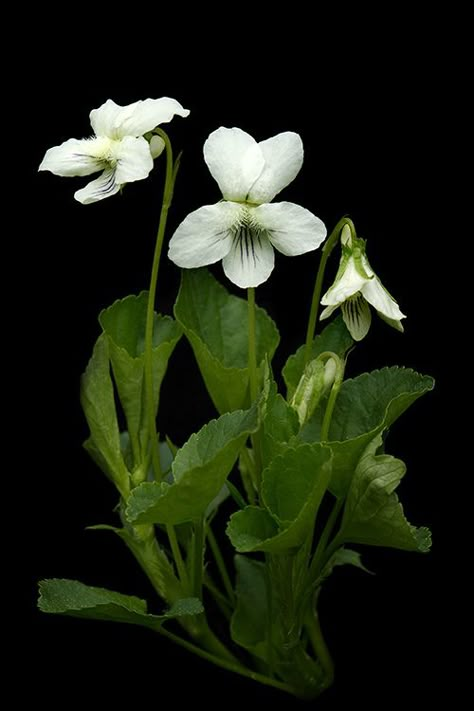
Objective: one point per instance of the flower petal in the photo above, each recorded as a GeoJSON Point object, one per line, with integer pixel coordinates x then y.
{"type": "Point", "coordinates": [73, 157]}
{"type": "Point", "coordinates": [102, 187]}
{"type": "Point", "coordinates": [378, 296]}
{"type": "Point", "coordinates": [291, 228]}
{"type": "Point", "coordinates": [348, 284]}
{"type": "Point", "coordinates": [328, 311]}
{"type": "Point", "coordinates": [251, 259]}
{"type": "Point", "coordinates": [134, 160]}
{"type": "Point", "coordinates": [157, 146]}
{"type": "Point", "coordinates": [136, 119]}
{"type": "Point", "coordinates": [394, 323]}
{"type": "Point", "coordinates": [235, 161]}
{"type": "Point", "coordinates": [357, 317]}
{"type": "Point", "coordinates": [204, 236]}
{"type": "Point", "coordinates": [283, 156]}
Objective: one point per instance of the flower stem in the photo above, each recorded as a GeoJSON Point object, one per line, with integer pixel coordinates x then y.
{"type": "Point", "coordinates": [150, 312]}
{"type": "Point", "coordinates": [178, 559]}
{"type": "Point", "coordinates": [253, 379]}
{"type": "Point", "coordinates": [318, 285]}
{"type": "Point", "coordinates": [319, 646]}
{"type": "Point", "coordinates": [198, 559]}
{"type": "Point", "coordinates": [220, 562]}
{"type": "Point", "coordinates": [225, 663]}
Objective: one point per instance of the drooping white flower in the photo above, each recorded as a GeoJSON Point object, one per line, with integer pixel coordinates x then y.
{"type": "Point", "coordinates": [118, 147]}
{"type": "Point", "coordinates": [355, 287]}
{"type": "Point", "coordinates": [244, 227]}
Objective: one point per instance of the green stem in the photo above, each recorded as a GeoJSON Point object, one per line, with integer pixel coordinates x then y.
{"type": "Point", "coordinates": [226, 664]}
{"type": "Point", "coordinates": [150, 406]}
{"type": "Point", "coordinates": [221, 566]}
{"type": "Point", "coordinates": [178, 559]}
{"type": "Point", "coordinates": [323, 541]}
{"type": "Point", "coordinates": [253, 379]}
{"type": "Point", "coordinates": [318, 285]}
{"type": "Point", "coordinates": [249, 482]}
{"type": "Point", "coordinates": [319, 645]}
{"type": "Point", "coordinates": [198, 559]}
{"type": "Point", "coordinates": [219, 597]}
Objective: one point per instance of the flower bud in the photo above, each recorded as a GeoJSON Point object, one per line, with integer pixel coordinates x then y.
{"type": "Point", "coordinates": [316, 380]}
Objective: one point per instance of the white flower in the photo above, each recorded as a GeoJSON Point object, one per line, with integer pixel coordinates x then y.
{"type": "Point", "coordinates": [118, 146]}
{"type": "Point", "coordinates": [243, 228]}
{"type": "Point", "coordinates": [356, 285]}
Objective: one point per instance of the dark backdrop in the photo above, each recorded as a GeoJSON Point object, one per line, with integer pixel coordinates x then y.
{"type": "Point", "coordinates": [367, 131]}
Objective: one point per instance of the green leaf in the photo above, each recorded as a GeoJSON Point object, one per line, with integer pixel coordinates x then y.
{"type": "Point", "coordinates": [216, 325]}
{"type": "Point", "coordinates": [373, 515]}
{"type": "Point", "coordinates": [124, 324]}
{"type": "Point", "coordinates": [335, 338]}
{"type": "Point", "coordinates": [251, 529]}
{"type": "Point", "coordinates": [98, 403]}
{"type": "Point", "coordinates": [199, 469]}
{"type": "Point", "coordinates": [249, 622]}
{"type": "Point", "coordinates": [365, 407]}
{"type": "Point", "coordinates": [70, 597]}
{"type": "Point", "coordinates": [292, 490]}
{"type": "Point", "coordinates": [343, 556]}
{"type": "Point", "coordinates": [280, 424]}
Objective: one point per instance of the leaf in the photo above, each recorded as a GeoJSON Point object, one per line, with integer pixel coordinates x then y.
{"type": "Point", "coordinates": [97, 400]}
{"type": "Point", "coordinates": [249, 622]}
{"type": "Point", "coordinates": [280, 424]}
{"type": "Point", "coordinates": [373, 515]}
{"type": "Point", "coordinates": [124, 324]}
{"type": "Point", "coordinates": [199, 469]}
{"type": "Point", "coordinates": [70, 597]}
{"type": "Point", "coordinates": [292, 490]}
{"type": "Point", "coordinates": [216, 325]}
{"type": "Point", "coordinates": [335, 338]}
{"type": "Point", "coordinates": [366, 406]}
{"type": "Point", "coordinates": [343, 556]}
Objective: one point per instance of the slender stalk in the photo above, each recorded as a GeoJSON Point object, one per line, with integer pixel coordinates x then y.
{"type": "Point", "coordinates": [150, 406]}
{"type": "Point", "coordinates": [221, 566]}
{"type": "Point", "coordinates": [319, 645]}
{"type": "Point", "coordinates": [323, 541]}
{"type": "Point", "coordinates": [226, 664]}
{"type": "Point", "coordinates": [198, 559]}
{"type": "Point", "coordinates": [253, 377]}
{"type": "Point", "coordinates": [178, 559]}
{"type": "Point", "coordinates": [219, 597]}
{"type": "Point", "coordinates": [318, 285]}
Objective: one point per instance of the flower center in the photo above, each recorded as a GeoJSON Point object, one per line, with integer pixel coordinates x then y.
{"type": "Point", "coordinates": [105, 150]}
{"type": "Point", "coordinates": [246, 234]}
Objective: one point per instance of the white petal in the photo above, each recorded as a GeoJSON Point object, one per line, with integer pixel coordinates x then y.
{"type": "Point", "coordinates": [134, 160]}
{"type": "Point", "coordinates": [326, 313]}
{"type": "Point", "coordinates": [204, 236]}
{"type": "Point", "coordinates": [283, 156]}
{"type": "Point", "coordinates": [250, 261]}
{"type": "Point", "coordinates": [392, 322]}
{"type": "Point", "coordinates": [381, 300]}
{"type": "Point", "coordinates": [136, 119]}
{"type": "Point", "coordinates": [357, 317]}
{"type": "Point", "coordinates": [73, 157]}
{"type": "Point", "coordinates": [102, 187]}
{"type": "Point", "coordinates": [235, 161]}
{"type": "Point", "coordinates": [349, 283]}
{"type": "Point", "coordinates": [291, 229]}
{"type": "Point", "coordinates": [106, 117]}
{"type": "Point", "coordinates": [157, 146]}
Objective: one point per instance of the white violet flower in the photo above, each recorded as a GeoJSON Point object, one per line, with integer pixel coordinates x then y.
{"type": "Point", "coordinates": [118, 147]}
{"type": "Point", "coordinates": [355, 287]}
{"type": "Point", "coordinates": [244, 227]}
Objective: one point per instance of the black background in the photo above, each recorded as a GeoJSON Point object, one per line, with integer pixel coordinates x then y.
{"type": "Point", "coordinates": [366, 113]}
